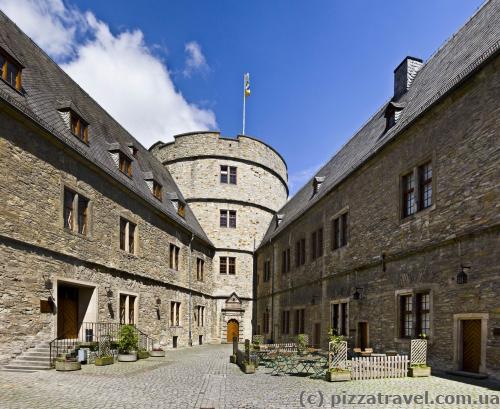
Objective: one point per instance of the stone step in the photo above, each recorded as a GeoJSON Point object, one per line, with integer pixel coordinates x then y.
{"type": "Point", "coordinates": [34, 354]}
{"type": "Point", "coordinates": [29, 367]}
{"type": "Point", "coordinates": [17, 370]}
{"type": "Point", "coordinates": [33, 358]}
{"type": "Point", "coordinates": [17, 362]}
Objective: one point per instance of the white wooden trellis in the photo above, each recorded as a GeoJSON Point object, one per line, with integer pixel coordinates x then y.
{"type": "Point", "coordinates": [379, 367]}
{"type": "Point", "coordinates": [337, 355]}
{"type": "Point", "coordinates": [418, 352]}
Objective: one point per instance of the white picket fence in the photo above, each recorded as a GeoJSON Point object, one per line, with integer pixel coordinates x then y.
{"type": "Point", "coordinates": [377, 367]}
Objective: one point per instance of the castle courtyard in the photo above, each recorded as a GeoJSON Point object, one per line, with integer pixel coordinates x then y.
{"type": "Point", "coordinates": [202, 377]}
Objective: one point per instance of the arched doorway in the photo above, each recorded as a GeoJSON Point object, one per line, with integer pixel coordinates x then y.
{"type": "Point", "coordinates": [233, 330]}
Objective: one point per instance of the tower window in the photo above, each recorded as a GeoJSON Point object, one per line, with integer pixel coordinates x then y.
{"type": "Point", "coordinates": [228, 218]}
{"type": "Point", "coordinates": [228, 174]}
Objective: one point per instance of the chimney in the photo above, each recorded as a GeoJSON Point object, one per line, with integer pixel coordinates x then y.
{"type": "Point", "coordinates": [404, 75]}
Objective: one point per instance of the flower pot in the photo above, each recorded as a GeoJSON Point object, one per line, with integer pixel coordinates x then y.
{"type": "Point", "coordinates": [143, 354]}
{"type": "Point", "coordinates": [68, 366]}
{"type": "Point", "coordinates": [418, 372]}
{"type": "Point", "coordinates": [248, 368]}
{"type": "Point", "coordinates": [131, 357]}
{"type": "Point", "coordinates": [157, 354]}
{"type": "Point", "coordinates": [104, 360]}
{"type": "Point", "coordinates": [338, 376]}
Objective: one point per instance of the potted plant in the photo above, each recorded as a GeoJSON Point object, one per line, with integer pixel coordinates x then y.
{"type": "Point", "coordinates": [67, 363]}
{"type": "Point", "coordinates": [336, 373]}
{"type": "Point", "coordinates": [301, 343]}
{"type": "Point", "coordinates": [157, 352]}
{"type": "Point", "coordinates": [418, 371]}
{"type": "Point", "coordinates": [105, 357]}
{"type": "Point", "coordinates": [142, 354]}
{"type": "Point", "coordinates": [248, 367]}
{"type": "Point", "coordinates": [127, 344]}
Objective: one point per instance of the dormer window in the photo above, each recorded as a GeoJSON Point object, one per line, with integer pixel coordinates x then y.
{"type": "Point", "coordinates": [125, 164]}
{"type": "Point", "coordinates": [392, 114]}
{"type": "Point", "coordinates": [133, 150]}
{"type": "Point", "coordinates": [179, 205]}
{"type": "Point", "coordinates": [279, 219]}
{"type": "Point", "coordinates": [317, 182]}
{"type": "Point", "coordinates": [79, 127]}
{"type": "Point", "coordinates": [10, 71]}
{"type": "Point", "coordinates": [157, 190]}
{"type": "Point", "coordinates": [181, 210]}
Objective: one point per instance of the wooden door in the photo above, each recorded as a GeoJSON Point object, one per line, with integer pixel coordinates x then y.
{"type": "Point", "coordinates": [67, 312]}
{"type": "Point", "coordinates": [362, 335]}
{"type": "Point", "coordinates": [233, 330]}
{"type": "Point", "coordinates": [317, 335]}
{"type": "Point", "coordinates": [471, 345]}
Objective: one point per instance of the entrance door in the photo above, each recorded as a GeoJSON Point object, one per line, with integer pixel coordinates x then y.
{"type": "Point", "coordinates": [67, 312]}
{"type": "Point", "coordinates": [471, 345]}
{"type": "Point", "coordinates": [317, 335]}
{"type": "Point", "coordinates": [362, 335]}
{"type": "Point", "coordinates": [233, 330]}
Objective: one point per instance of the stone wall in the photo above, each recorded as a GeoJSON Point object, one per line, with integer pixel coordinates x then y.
{"type": "Point", "coordinates": [35, 246]}
{"type": "Point", "coordinates": [387, 255]}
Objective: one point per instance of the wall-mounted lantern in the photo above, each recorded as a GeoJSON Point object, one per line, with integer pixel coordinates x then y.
{"type": "Point", "coordinates": [358, 293]}
{"type": "Point", "coordinates": [462, 276]}
{"type": "Point", "coordinates": [47, 282]}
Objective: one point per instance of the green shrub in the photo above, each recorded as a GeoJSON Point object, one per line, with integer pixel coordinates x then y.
{"type": "Point", "coordinates": [128, 339]}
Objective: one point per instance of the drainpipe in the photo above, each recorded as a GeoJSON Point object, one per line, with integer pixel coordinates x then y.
{"type": "Point", "coordinates": [272, 294]}
{"type": "Point", "coordinates": [190, 292]}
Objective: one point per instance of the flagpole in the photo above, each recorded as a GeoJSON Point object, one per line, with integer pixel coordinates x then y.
{"type": "Point", "coordinates": [244, 104]}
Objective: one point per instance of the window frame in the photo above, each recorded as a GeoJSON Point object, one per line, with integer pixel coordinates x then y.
{"type": "Point", "coordinates": [339, 316]}
{"type": "Point", "coordinates": [340, 230]}
{"type": "Point", "coordinates": [126, 233]}
{"type": "Point", "coordinates": [157, 190]}
{"type": "Point", "coordinates": [200, 267]}
{"type": "Point", "coordinates": [4, 71]}
{"type": "Point", "coordinates": [80, 129]}
{"type": "Point", "coordinates": [423, 182]}
{"type": "Point", "coordinates": [174, 256]}
{"type": "Point", "coordinates": [76, 212]}
{"type": "Point", "coordinates": [175, 314]}
{"type": "Point", "coordinates": [124, 164]}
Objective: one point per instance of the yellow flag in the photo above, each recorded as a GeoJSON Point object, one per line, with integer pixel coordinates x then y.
{"type": "Point", "coordinates": [247, 84]}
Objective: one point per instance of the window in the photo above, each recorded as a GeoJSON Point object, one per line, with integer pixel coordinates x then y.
{"type": "Point", "coordinates": [127, 235]}
{"type": "Point", "coordinates": [228, 218]}
{"type": "Point", "coordinates": [267, 270]}
{"type": "Point", "coordinates": [125, 164]}
{"type": "Point", "coordinates": [157, 190]}
{"type": "Point", "coordinates": [200, 316]}
{"type": "Point", "coordinates": [228, 174]}
{"type": "Point", "coordinates": [285, 322]}
{"type": "Point", "coordinates": [421, 190]}
{"type": "Point", "coordinates": [265, 319]}
{"type": "Point", "coordinates": [175, 314]}
{"type": "Point", "coordinates": [299, 321]}
{"type": "Point", "coordinates": [317, 244]}
{"type": "Point", "coordinates": [423, 314]}
{"type": "Point", "coordinates": [127, 308]}
{"type": "Point", "coordinates": [340, 231]}
{"type": "Point", "coordinates": [174, 257]}
{"type": "Point", "coordinates": [200, 265]}
{"type": "Point", "coordinates": [300, 252]}
{"type": "Point", "coordinates": [181, 209]}
{"type": "Point", "coordinates": [425, 172]}
{"type": "Point", "coordinates": [406, 308]}
{"type": "Point", "coordinates": [227, 265]}
{"type": "Point", "coordinates": [340, 318]}
{"type": "Point", "coordinates": [10, 72]}
{"type": "Point", "coordinates": [79, 127]}
{"type": "Point", "coordinates": [409, 204]}
{"type": "Point", "coordinates": [285, 261]}
{"type": "Point", "coordinates": [75, 204]}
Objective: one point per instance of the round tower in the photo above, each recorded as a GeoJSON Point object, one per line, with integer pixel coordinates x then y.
{"type": "Point", "coordinates": [234, 187]}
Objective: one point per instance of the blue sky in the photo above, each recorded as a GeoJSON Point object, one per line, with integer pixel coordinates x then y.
{"type": "Point", "coordinates": [319, 69]}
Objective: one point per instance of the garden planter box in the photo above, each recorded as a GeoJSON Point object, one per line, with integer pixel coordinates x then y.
{"type": "Point", "coordinates": [418, 372]}
{"type": "Point", "coordinates": [340, 376]}
{"type": "Point", "coordinates": [68, 366]}
{"type": "Point", "coordinates": [127, 357]}
{"type": "Point", "coordinates": [105, 360]}
{"type": "Point", "coordinates": [143, 354]}
{"type": "Point", "coordinates": [248, 368]}
{"type": "Point", "coordinates": [157, 354]}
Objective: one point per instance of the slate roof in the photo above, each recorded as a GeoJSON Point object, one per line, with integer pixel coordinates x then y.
{"type": "Point", "coordinates": [47, 88]}
{"type": "Point", "coordinates": [461, 55]}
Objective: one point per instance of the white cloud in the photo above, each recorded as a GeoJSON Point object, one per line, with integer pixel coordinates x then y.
{"type": "Point", "coordinates": [49, 23]}
{"type": "Point", "coordinates": [195, 60]}
{"type": "Point", "coordinates": [119, 71]}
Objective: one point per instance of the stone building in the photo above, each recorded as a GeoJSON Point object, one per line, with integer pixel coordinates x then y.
{"type": "Point", "coordinates": [234, 187]}
{"type": "Point", "coordinates": [92, 227]}
{"type": "Point", "coordinates": [398, 234]}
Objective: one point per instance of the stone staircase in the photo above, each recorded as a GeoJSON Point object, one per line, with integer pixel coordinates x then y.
{"type": "Point", "coordinates": [34, 359]}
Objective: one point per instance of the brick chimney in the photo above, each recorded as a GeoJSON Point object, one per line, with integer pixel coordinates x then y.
{"type": "Point", "coordinates": [404, 75]}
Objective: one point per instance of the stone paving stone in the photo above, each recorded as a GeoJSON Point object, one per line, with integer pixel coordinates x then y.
{"type": "Point", "coordinates": [201, 377]}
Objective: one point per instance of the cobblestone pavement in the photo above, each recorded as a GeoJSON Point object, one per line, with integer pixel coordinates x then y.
{"type": "Point", "coordinates": [202, 377]}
